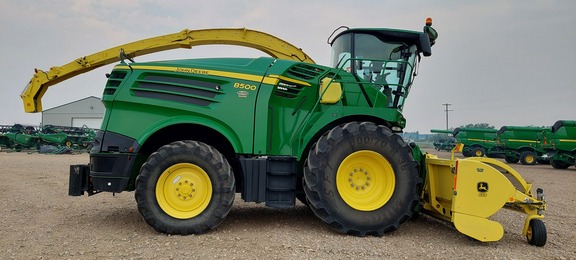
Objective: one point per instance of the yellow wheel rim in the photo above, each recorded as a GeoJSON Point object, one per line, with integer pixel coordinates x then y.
{"type": "Point", "coordinates": [478, 153]}
{"type": "Point", "coordinates": [184, 190]}
{"type": "Point", "coordinates": [365, 180]}
{"type": "Point", "coordinates": [529, 233]}
{"type": "Point", "coordinates": [529, 159]}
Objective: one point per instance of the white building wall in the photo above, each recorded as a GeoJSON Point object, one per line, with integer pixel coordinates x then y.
{"type": "Point", "coordinates": [88, 111]}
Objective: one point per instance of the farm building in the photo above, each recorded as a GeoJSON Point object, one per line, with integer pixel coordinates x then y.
{"type": "Point", "coordinates": [84, 112]}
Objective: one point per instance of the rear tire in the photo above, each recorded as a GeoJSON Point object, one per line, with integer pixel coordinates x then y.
{"type": "Point", "coordinates": [184, 188]}
{"type": "Point", "coordinates": [559, 164]}
{"type": "Point", "coordinates": [362, 179]}
{"type": "Point", "coordinates": [528, 158]}
{"type": "Point", "coordinates": [536, 233]}
{"type": "Point", "coordinates": [478, 152]}
{"type": "Point", "coordinates": [510, 159]}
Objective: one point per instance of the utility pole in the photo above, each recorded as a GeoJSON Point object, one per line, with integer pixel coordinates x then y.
{"type": "Point", "coordinates": [447, 110]}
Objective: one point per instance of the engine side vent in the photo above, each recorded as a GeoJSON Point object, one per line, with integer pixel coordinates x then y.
{"type": "Point", "coordinates": [304, 71]}
{"type": "Point", "coordinates": [114, 81]}
{"type": "Point", "coordinates": [183, 90]}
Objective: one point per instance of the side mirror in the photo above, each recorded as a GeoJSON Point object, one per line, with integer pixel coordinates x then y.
{"type": "Point", "coordinates": [425, 45]}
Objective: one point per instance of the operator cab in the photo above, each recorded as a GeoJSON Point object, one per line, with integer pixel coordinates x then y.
{"type": "Point", "coordinates": [386, 58]}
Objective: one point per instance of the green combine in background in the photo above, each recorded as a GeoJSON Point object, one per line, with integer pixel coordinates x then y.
{"type": "Point", "coordinates": [560, 144]}
{"type": "Point", "coordinates": [478, 142]}
{"type": "Point", "coordinates": [520, 143]}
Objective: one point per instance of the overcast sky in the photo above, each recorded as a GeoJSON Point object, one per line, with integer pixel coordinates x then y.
{"type": "Point", "coordinates": [496, 62]}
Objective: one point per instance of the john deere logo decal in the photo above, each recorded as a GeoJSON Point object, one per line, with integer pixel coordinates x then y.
{"type": "Point", "coordinates": [482, 187]}
{"type": "Point", "coordinates": [242, 93]}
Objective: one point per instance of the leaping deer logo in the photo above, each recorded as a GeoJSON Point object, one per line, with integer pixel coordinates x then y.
{"type": "Point", "coordinates": [482, 187]}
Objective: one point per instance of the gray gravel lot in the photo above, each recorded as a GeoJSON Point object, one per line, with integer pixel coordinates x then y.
{"type": "Point", "coordinates": [40, 221]}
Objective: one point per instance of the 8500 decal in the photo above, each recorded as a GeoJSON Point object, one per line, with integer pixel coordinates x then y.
{"type": "Point", "coordinates": [244, 86]}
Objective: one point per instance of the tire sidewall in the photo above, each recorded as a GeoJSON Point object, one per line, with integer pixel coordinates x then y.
{"type": "Point", "coordinates": [391, 149]}
{"type": "Point", "coordinates": [155, 167]}
{"type": "Point", "coordinates": [478, 150]}
{"type": "Point", "coordinates": [539, 235]}
{"type": "Point", "coordinates": [525, 155]}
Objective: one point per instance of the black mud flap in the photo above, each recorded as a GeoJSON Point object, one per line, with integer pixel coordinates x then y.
{"type": "Point", "coordinates": [80, 180]}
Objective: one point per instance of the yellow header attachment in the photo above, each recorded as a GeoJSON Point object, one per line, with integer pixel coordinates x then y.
{"type": "Point", "coordinates": [271, 45]}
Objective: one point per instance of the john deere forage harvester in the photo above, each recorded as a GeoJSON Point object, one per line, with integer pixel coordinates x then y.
{"type": "Point", "coordinates": [186, 135]}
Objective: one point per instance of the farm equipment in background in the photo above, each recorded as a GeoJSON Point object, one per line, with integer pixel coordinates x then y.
{"type": "Point", "coordinates": [21, 137]}
{"type": "Point", "coordinates": [5, 142]}
{"type": "Point", "coordinates": [559, 144]}
{"type": "Point", "coordinates": [520, 143]}
{"type": "Point", "coordinates": [478, 142]}
{"type": "Point", "coordinates": [71, 137]}
{"type": "Point", "coordinates": [443, 143]}
{"type": "Point", "coordinates": [186, 135]}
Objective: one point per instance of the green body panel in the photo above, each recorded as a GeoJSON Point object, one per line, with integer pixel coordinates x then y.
{"type": "Point", "coordinates": [476, 137]}
{"type": "Point", "coordinates": [563, 136]}
{"type": "Point", "coordinates": [511, 141]}
{"type": "Point", "coordinates": [560, 143]}
{"type": "Point", "coordinates": [144, 103]}
{"type": "Point", "coordinates": [259, 120]}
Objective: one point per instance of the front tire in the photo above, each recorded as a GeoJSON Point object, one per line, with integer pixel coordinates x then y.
{"type": "Point", "coordinates": [362, 179]}
{"type": "Point", "coordinates": [528, 158]}
{"type": "Point", "coordinates": [478, 152]}
{"type": "Point", "coordinates": [185, 187]}
{"type": "Point", "coordinates": [536, 234]}
{"type": "Point", "coordinates": [511, 159]}
{"type": "Point", "coordinates": [557, 164]}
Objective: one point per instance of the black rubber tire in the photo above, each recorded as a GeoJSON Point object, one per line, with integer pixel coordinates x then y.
{"type": "Point", "coordinates": [477, 152]}
{"type": "Point", "coordinates": [536, 233]}
{"type": "Point", "coordinates": [466, 152]}
{"type": "Point", "coordinates": [528, 158]}
{"type": "Point", "coordinates": [510, 159]}
{"type": "Point", "coordinates": [300, 194]}
{"type": "Point", "coordinates": [321, 189]}
{"type": "Point", "coordinates": [559, 164]}
{"type": "Point", "coordinates": [208, 159]}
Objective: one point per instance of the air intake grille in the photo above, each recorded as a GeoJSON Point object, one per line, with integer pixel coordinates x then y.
{"type": "Point", "coordinates": [304, 71]}
{"type": "Point", "coordinates": [177, 89]}
{"type": "Point", "coordinates": [114, 81]}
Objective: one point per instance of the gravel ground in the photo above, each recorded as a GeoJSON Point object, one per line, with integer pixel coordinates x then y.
{"type": "Point", "coordinates": [40, 221]}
